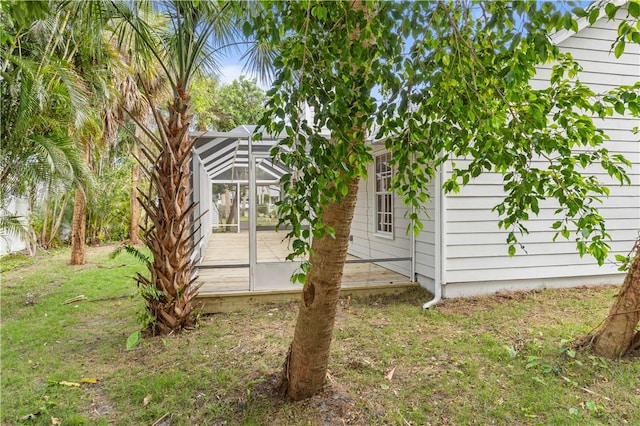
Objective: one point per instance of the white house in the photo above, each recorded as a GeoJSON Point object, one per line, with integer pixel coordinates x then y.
{"type": "Point", "coordinates": [461, 251]}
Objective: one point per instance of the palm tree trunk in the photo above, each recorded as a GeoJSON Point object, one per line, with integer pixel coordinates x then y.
{"type": "Point", "coordinates": [45, 223]}
{"type": "Point", "coordinates": [170, 237]}
{"type": "Point", "coordinates": [79, 221]}
{"type": "Point", "coordinates": [78, 228]}
{"type": "Point", "coordinates": [618, 335]}
{"type": "Point", "coordinates": [305, 368]}
{"type": "Point", "coordinates": [58, 220]}
{"type": "Point", "coordinates": [134, 218]}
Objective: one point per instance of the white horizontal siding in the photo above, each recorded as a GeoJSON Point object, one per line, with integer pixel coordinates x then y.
{"type": "Point", "coordinates": [469, 228]}
{"type": "Point", "coordinates": [365, 242]}
{"type": "Point", "coordinates": [476, 250]}
{"type": "Point", "coordinates": [425, 256]}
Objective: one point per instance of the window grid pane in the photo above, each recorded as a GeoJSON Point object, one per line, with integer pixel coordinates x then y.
{"type": "Point", "coordinates": [383, 196]}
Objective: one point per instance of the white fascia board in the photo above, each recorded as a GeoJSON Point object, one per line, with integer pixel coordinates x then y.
{"type": "Point", "coordinates": [562, 35]}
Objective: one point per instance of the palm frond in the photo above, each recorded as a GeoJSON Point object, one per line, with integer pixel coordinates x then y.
{"type": "Point", "coordinates": [135, 29]}
{"type": "Point", "coordinates": [259, 60]}
{"type": "Point", "coordinates": [131, 250]}
{"type": "Point", "coordinates": [14, 225]}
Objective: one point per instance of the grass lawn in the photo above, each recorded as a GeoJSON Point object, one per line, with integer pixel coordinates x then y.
{"type": "Point", "coordinates": [490, 360]}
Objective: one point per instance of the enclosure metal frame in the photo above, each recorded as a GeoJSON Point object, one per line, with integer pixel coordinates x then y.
{"type": "Point", "coordinates": [244, 134]}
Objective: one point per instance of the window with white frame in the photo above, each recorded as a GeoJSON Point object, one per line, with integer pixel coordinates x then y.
{"type": "Point", "coordinates": [383, 194]}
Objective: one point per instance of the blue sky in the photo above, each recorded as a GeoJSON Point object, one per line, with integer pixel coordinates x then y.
{"type": "Point", "coordinates": [231, 69]}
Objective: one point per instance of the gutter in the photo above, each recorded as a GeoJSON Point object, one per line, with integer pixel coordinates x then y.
{"type": "Point", "coordinates": [440, 231]}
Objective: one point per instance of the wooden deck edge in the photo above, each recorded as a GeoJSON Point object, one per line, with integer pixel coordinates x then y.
{"type": "Point", "coordinates": [211, 303]}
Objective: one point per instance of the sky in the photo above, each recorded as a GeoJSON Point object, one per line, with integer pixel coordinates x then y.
{"type": "Point", "coordinates": [231, 69]}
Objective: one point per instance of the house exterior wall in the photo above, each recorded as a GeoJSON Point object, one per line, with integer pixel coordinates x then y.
{"type": "Point", "coordinates": [477, 261]}
{"type": "Point", "coordinates": [365, 242]}
{"type": "Point", "coordinates": [428, 250]}
{"type": "Point", "coordinates": [10, 243]}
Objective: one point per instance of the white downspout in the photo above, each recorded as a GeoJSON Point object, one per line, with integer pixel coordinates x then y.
{"type": "Point", "coordinates": [413, 275]}
{"type": "Point", "coordinates": [440, 231]}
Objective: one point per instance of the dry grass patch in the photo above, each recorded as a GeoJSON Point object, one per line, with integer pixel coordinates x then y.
{"type": "Point", "coordinates": [502, 359]}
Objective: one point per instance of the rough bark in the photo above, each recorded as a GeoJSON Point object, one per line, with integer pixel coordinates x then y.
{"type": "Point", "coordinates": [618, 335]}
{"type": "Point", "coordinates": [170, 291]}
{"type": "Point", "coordinates": [134, 218]}
{"type": "Point", "coordinates": [305, 368]}
{"type": "Point", "coordinates": [79, 221]}
{"type": "Point", "coordinates": [78, 229]}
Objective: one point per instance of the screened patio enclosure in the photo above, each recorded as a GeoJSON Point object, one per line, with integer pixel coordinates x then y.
{"type": "Point", "coordinates": [236, 185]}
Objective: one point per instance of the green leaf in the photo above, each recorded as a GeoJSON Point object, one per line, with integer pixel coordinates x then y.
{"type": "Point", "coordinates": [574, 26]}
{"type": "Point", "coordinates": [247, 29]}
{"type": "Point", "coordinates": [610, 9]}
{"type": "Point", "coordinates": [619, 49]}
{"type": "Point", "coordinates": [512, 250]}
{"type": "Point", "coordinates": [621, 258]}
{"type": "Point", "coordinates": [320, 12]}
{"type": "Point", "coordinates": [634, 9]}
{"type": "Point", "coordinates": [619, 107]}
{"type": "Point", "coordinates": [134, 339]}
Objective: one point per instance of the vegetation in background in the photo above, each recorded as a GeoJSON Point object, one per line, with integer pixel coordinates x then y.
{"type": "Point", "coordinates": [225, 107]}
{"type": "Point", "coordinates": [43, 98]}
{"type": "Point", "coordinates": [60, 77]}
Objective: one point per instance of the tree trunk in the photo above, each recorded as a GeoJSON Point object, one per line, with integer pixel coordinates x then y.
{"type": "Point", "coordinates": [232, 213]}
{"type": "Point", "coordinates": [134, 218]}
{"type": "Point", "coordinates": [618, 335]}
{"type": "Point", "coordinates": [58, 222]}
{"type": "Point", "coordinates": [170, 237]}
{"type": "Point", "coordinates": [305, 368]}
{"type": "Point", "coordinates": [45, 223]}
{"type": "Point", "coordinates": [78, 228]}
{"type": "Point", "coordinates": [79, 222]}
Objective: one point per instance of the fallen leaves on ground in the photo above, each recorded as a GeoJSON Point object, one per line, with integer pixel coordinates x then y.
{"type": "Point", "coordinates": [390, 373]}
